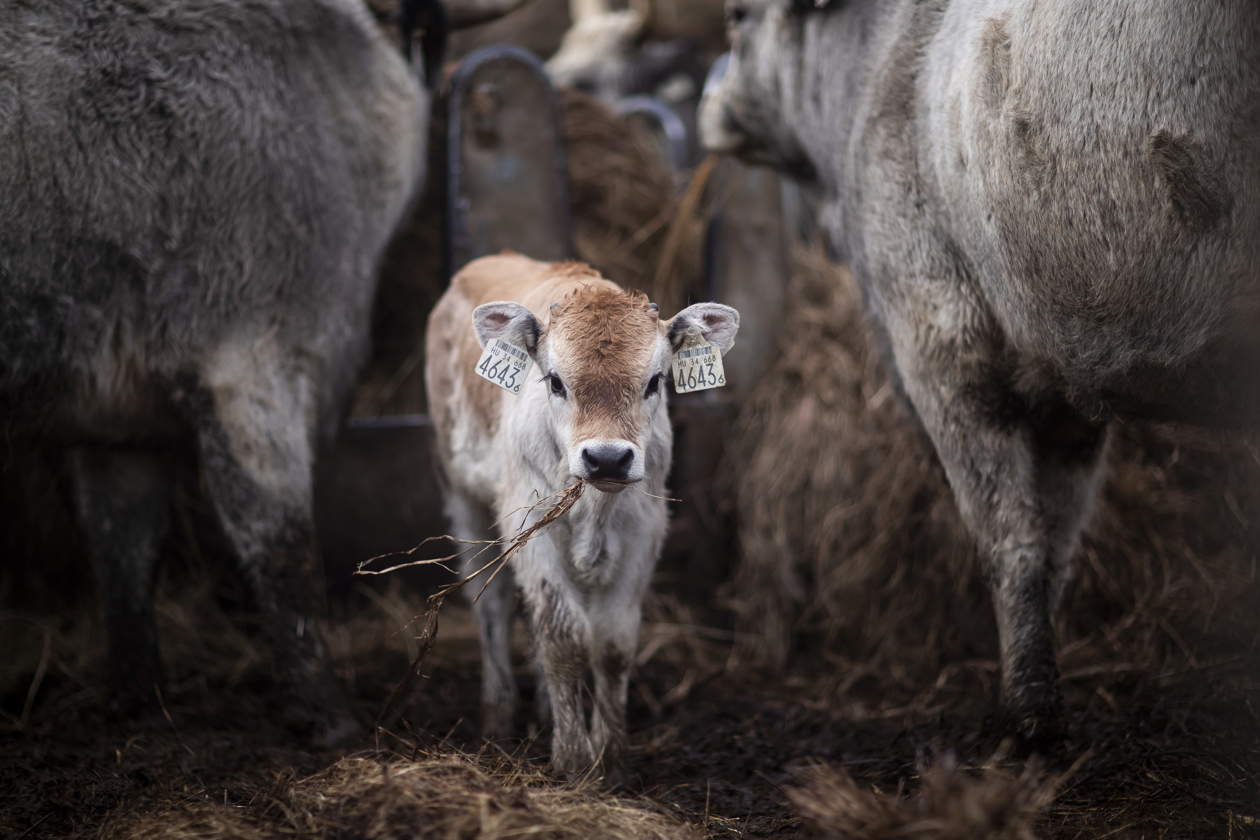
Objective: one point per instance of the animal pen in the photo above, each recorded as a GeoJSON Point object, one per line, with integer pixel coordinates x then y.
{"type": "Point", "coordinates": [819, 655]}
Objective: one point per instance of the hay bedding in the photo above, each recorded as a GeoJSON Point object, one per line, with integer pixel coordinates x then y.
{"type": "Point", "coordinates": [442, 796]}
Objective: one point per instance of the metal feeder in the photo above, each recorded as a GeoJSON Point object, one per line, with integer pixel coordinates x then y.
{"type": "Point", "coordinates": [376, 486]}
{"type": "Point", "coordinates": [663, 122]}
{"type": "Point", "coordinates": [508, 183]}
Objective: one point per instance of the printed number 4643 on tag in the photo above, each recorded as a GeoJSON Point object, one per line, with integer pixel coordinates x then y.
{"type": "Point", "coordinates": [698, 368]}
{"type": "Point", "coordinates": [503, 364]}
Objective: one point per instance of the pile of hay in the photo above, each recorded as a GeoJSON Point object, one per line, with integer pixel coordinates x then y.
{"type": "Point", "coordinates": [951, 805]}
{"type": "Point", "coordinates": [629, 219]}
{"type": "Point", "coordinates": [852, 550]}
{"type": "Point", "coordinates": [448, 795]}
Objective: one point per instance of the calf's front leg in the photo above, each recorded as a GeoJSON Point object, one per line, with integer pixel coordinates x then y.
{"type": "Point", "coordinates": [614, 640]}
{"type": "Point", "coordinates": [561, 633]}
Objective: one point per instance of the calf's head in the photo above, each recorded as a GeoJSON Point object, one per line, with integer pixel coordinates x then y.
{"type": "Point", "coordinates": [605, 358]}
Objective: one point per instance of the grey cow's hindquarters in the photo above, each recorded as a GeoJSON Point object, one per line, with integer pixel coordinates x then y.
{"type": "Point", "coordinates": [123, 502]}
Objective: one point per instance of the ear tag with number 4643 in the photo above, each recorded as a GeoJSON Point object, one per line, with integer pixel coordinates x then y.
{"type": "Point", "coordinates": [697, 366]}
{"type": "Point", "coordinates": [504, 363]}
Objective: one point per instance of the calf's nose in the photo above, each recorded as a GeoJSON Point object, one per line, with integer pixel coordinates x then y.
{"type": "Point", "coordinates": [607, 461]}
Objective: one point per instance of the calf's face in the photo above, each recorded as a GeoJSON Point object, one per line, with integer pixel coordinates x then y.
{"type": "Point", "coordinates": [605, 358]}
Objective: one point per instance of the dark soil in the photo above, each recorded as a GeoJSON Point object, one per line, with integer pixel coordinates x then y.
{"type": "Point", "coordinates": [1174, 759]}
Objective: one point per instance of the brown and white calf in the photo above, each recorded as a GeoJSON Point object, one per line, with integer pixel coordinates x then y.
{"type": "Point", "coordinates": [593, 409]}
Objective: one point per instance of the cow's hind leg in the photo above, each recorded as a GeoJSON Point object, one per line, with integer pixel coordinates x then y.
{"type": "Point", "coordinates": [255, 422]}
{"type": "Point", "coordinates": [494, 605]}
{"type": "Point", "coordinates": [1024, 471]}
{"type": "Point", "coordinates": [123, 501]}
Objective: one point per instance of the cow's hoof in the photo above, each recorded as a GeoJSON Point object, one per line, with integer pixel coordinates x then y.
{"type": "Point", "coordinates": [328, 725]}
{"type": "Point", "coordinates": [496, 721]}
{"type": "Point", "coordinates": [617, 779]}
{"type": "Point", "coordinates": [1032, 729]}
{"type": "Point", "coordinates": [573, 768]}
{"type": "Point", "coordinates": [338, 732]}
{"type": "Point", "coordinates": [324, 732]}
{"type": "Point", "coordinates": [130, 703]}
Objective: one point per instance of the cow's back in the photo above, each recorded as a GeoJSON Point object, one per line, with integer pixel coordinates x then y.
{"type": "Point", "coordinates": [180, 172]}
{"type": "Point", "coordinates": [1100, 170]}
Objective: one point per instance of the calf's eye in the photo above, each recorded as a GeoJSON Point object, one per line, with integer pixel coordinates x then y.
{"type": "Point", "coordinates": [654, 385]}
{"type": "Point", "coordinates": [557, 387]}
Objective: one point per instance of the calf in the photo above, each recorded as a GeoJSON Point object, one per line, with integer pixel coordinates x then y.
{"type": "Point", "coordinates": [596, 413]}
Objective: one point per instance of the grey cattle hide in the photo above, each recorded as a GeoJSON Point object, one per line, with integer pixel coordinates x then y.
{"type": "Point", "coordinates": [194, 197]}
{"type": "Point", "coordinates": [1054, 211]}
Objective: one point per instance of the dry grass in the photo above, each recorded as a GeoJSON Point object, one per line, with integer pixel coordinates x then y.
{"type": "Point", "coordinates": [444, 795]}
{"type": "Point", "coordinates": [951, 805]}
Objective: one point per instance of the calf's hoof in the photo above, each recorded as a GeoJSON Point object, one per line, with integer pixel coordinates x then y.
{"type": "Point", "coordinates": [324, 731]}
{"type": "Point", "coordinates": [130, 703]}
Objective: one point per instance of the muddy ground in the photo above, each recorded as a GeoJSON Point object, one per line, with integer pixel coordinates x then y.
{"type": "Point", "coordinates": [716, 746]}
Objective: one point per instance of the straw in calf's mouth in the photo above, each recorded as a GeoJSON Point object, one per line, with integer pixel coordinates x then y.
{"type": "Point", "coordinates": [564, 501]}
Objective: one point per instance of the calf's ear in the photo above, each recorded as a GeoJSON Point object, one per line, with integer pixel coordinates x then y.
{"type": "Point", "coordinates": [508, 321]}
{"type": "Point", "coordinates": [714, 322]}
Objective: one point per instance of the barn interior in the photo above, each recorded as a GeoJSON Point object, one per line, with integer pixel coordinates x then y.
{"type": "Point", "coordinates": [819, 654]}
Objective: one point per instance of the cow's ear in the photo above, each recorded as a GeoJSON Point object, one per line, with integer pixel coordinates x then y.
{"type": "Point", "coordinates": [509, 321]}
{"type": "Point", "coordinates": [714, 322]}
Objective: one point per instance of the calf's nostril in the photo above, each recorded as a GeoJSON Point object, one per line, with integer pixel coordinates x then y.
{"type": "Point", "coordinates": [607, 461]}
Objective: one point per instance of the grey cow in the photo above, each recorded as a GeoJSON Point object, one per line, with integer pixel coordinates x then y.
{"type": "Point", "coordinates": [194, 197]}
{"type": "Point", "coordinates": [1052, 208]}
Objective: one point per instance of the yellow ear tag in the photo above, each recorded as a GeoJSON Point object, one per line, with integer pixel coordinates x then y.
{"type": "Point", "coordinates": [697, 366]}
{"type": "Point", "coordinates": [504, 363]}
